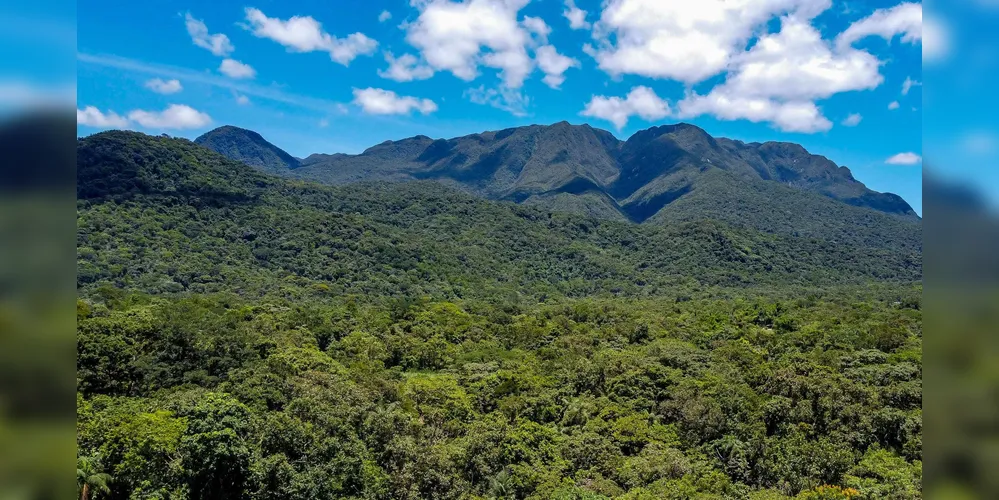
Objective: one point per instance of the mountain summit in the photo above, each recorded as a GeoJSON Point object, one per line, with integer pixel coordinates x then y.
{"type": "Point", "coordinates": [662, 174]}
{"type": "Point", "coordinates": [248, 147]}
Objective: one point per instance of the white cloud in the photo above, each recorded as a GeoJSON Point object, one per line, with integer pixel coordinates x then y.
{"type": "Point", "coordinates": [904, 159]}
{"type": "Point", "coordinates": [235, 69]}
{"type": "Point", "coordinates": [779, 79]}
{"type": "Point", "coordinates": [641, 101]}
{"type": "Point", "coordinates": [908, 84]}
{"type": "Point", "coordinates": [405, 68]}
{"type": "Point", "coordinates": [175, 116]}
{"type": "Point", "coordinates": [385, 102]}
{"type": "Point", "coordinates": [305, 34]}
{"type": "Point", "coordinates": [538, 27]}
{"type": "Point", "coordinates": [893, 105]}
{"type": "Point", "coordinates": [93, 117]}
{"type": "Point", "coordinates": [576, 16]}
{"type": "Point", "coordinates": [323, 123]}
{"type": "Point", "coordinates": [161, 86]}
{"type": "Point", "coordinates": [554, 65]}
{"type": "Point", "coordinates": [458, 37]}
{"type": "Point", "coordinates": [504, 98]}
{"type": "Point", "coordinates": [218, 43]}
{"type": "Point", "coordinates": [242, 100]}
{"type": "Point", "coordinates": [686, 41]}
{"type": "Point", "coordinates": [852, 120]}
{"type": "Point", "coordinates": [905, 19]}
{"type": "Point", "coordinates": [936, 40]}
{"type": "Point", "coordinates": [791, 116]}
{"type": "Point", "coordinates": [797, 64]}
{"type": "Point", "coordinates": [384, 16]}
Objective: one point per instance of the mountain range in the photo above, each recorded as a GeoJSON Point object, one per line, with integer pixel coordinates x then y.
{"type": "Point", "coordinates": [164, 214]}
{"type": "Point", "coordinates": [662, 175]}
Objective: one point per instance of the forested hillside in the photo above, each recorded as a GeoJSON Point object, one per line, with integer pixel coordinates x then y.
{"type": "Point", "coordinates": [165, 215]}
{"type": "Point", "coordinates": [248, 147]}
{"type": "Point", "coordinates": [243, 336]}
{"type": "Point", "coordinates": [652, 177]}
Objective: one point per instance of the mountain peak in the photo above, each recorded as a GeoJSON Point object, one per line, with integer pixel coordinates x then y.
{"type": "Point", "coordinates": [248, 147]}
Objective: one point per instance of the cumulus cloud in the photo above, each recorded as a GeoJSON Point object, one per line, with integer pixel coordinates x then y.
{"type": "Point", "coordinates": [641, 101]}
{"type": "Point", "coordinates": [509, 100]}
{"type": "Point", "coordinates": [893, 105]}
{"type": "Point", "coordinates": [92, 117]}
{"type": "Point", "coordinates": [235, 69]}
{"type": "Point", "coordinates": [908, 84]}
{"type": "Point", "coordinates": [554, 65]}
{"type": "Point", "coordinates": [305, 34]}
{"type": "Point", "coordinates": [385, 102]}
{"type": "Point", "coordinates": [242, 100]}
{"type": "Point", "coordinates": [384, 16]}
{"type": "Point", "coordinates": [217, 44]}
{"type": "Point", "coordinates": [575, 15]}
{"type": "Point", "coordinates": [779, 79]}
{"type": "Point", "coordinates": [905, 19]}
{"type": "Point", "coordinates": [684, 41]}
{"type": "Point", "coordinates": [458, 37]}
{"type": "Point", "coordinates": [405, 68]}
{"type": "Point", "coordinates": [175, 116]}
{"type": "Point", "coordinates": [907, 158]}
{"type": "Point", "coordinates": [161, 86]}
{"type": "Point", "coordinates": [852, 120]}
{"type": "Point", "coordinates": [797, 64]}
{"type": "Point", "coordinates": [537, 27]}
{"type": "Point", "coordinates": [791, 116]}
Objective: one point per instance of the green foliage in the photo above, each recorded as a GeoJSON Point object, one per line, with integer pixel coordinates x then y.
{"type": "Point", "coordinates": [244, 337]}
{"type": "Point", "coordinates": [248, 147]}
{"type": "Point", "coordinates": [710, 402]}
{"type": "Point", "coordinates": [167, 216]}
{"type": "Point", "coordinates": [91, 483]}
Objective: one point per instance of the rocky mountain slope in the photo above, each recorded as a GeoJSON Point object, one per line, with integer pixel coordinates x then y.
{"type": "Point", "coordinates": [660, 175]}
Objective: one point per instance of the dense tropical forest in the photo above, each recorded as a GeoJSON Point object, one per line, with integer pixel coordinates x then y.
{"type": "Point", "coordinates": [242, 336]}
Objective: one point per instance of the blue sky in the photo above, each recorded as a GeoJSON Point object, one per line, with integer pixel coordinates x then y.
{"type": "Point", "coordinates": [314, 76]}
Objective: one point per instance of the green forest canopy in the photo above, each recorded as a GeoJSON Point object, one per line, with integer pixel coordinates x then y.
{"type": "Point", "coordinates": [241, 336]}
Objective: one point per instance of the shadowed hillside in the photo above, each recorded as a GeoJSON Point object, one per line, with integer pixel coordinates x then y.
{"type": "Point", "coordinates": [248, 147]}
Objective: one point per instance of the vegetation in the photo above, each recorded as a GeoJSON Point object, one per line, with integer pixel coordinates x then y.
{"type": "Point", "coordinates": [248, 147]}
{"type": "Point", "coordinates": [246, 337]}
{"type": "Point", "coordinates": [213, 397]}
{"type": "Point", "coordinates": [642, 176]}
{"type": "Point", "coordinates": [164, 215]}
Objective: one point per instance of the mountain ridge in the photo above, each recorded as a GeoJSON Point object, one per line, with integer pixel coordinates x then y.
{"type": "Point", "coordinates": [520, 162]}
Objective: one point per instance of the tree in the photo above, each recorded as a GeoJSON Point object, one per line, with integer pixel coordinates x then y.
{"type": "Point", "coordinates": [89, 479]}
